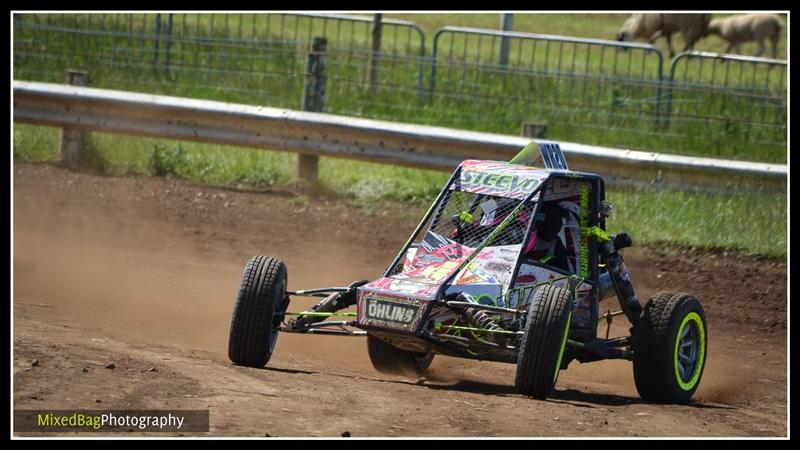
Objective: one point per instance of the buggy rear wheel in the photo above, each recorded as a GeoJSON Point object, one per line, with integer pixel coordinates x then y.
{"type": "Point", "coordinates": [669, 348]}
{"type": "Point", "coordinates": [546, 330]}
{"type": "Point", "coordinates": [387, 358]}
{"type": "Point", "coordinates": [260, 307]}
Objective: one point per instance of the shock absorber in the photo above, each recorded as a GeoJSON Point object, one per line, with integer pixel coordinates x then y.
{"type": "Point", "coordinates": [477, 317]}
{"type": "Point", "coordinates": [480, 319]}
{"type": "Point", "coordinates": [621, 277]}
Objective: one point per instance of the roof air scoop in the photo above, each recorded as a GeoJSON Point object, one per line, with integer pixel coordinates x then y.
{"type": "Point", "coordinates": [550, 153]}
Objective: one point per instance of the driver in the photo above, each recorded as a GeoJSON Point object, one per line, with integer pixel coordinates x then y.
{"type": "Point", "coordinates": [494, 211]}
{"type": "Point", "coordinates": [545, 244]}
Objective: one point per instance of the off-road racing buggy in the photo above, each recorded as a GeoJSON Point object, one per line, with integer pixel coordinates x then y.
{"type": "Point", "coordinates": [509, 264]}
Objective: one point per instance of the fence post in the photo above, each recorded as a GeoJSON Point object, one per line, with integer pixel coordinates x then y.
{"type": "Point", "coordinates": [670, 86]}
{"type": "Point", "coordinates": [314, 101]}
{"type": "Point", "coordinates": [534, 130]}
{"type": "Point", "coordinates": [506, 24]}
{"type": "Point", "coordinates": [372, 64]}
{"type": "Point", "coordinates": [72, 141]}
{"type": "Point", "coordinates": [169, 45]}
{"type": "Point", "coordinates": [156, 40]}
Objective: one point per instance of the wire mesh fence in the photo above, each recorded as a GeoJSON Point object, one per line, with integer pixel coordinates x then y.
{"type": "Point", "coordinates": [584, 90]}
{"type": "Point", "coordinates": [739, 96]}
{"type": "Point", "coordinates": [587, 89]}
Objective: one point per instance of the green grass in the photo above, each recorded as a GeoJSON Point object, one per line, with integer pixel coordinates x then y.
{"type": "Point", "coordinates": [264, 62]}
{"type": "Point", "coordinates": [32, 143]}
{"type": "Point", "coordinates": [753, 222]}
{"type": "Point", "coordinates": [220, 165]}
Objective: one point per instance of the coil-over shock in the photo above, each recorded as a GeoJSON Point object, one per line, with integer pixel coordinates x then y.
{"type": "Point", "coordinates": [479, 318]}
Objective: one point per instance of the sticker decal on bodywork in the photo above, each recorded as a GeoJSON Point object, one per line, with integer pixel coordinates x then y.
{"type": "Point", "coordinates": [390, 311]}
{"type": "Point", "coordinates": [502, 180]}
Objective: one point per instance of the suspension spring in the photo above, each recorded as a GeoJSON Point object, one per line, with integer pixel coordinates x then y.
{"type": "Point", "coordinates": [480, 319]}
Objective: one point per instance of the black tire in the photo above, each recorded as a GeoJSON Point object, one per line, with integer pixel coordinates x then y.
{"type": "Point", "coordinates": [387, 358]}
{"type": "Point", "coordinates": [546, 330]}
{"type": "Point", "coordinates": [664, 371]}
{"type": "Point", "coordinates": [260, 306]}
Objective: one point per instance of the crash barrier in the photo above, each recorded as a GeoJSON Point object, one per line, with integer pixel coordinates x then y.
{"type": "Point", "coordinates": [589, 90]}
{"type": "Point", "coordinates": [89, 109]}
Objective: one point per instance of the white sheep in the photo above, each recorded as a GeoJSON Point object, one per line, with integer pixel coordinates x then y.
{"type": "Point", "coordinates": [650, 27]}
{"type": "Point", "coordinates": [747, 28]}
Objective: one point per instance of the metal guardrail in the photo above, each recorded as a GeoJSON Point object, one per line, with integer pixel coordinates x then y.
{"type": "Point", "coordinates": [90, 109]}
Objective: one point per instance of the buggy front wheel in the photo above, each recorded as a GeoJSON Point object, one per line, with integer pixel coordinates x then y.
{"type": "Point", "coordinates": [669, 348]}
{"type": "Point", "coordinates": [260, 307]}
{"type": "Point", "coordinates": [542, 347]}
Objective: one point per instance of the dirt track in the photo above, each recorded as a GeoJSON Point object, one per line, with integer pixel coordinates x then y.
{"type": "Point", "coordinates": [143, 272]}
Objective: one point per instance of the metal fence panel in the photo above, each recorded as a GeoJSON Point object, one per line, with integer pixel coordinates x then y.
{"type": "Point", "coordinates": [711, 95]}
{"type": "Point", "coordinates": [579, 87]}
{"type": "Point", "coordinates": [235, 57]}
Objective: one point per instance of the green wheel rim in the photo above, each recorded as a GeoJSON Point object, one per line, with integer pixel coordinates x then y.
{"type": "Point", "coordinates": [690, 351]}
{"type": "Point", "coordinates": [561, 350]}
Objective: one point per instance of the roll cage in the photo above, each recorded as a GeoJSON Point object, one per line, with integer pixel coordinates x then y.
{"type": "Point", "coordinates": [594, 198]}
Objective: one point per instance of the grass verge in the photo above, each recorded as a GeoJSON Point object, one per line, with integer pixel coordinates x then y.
{"type": "Point", "coordinates": [750, 222]}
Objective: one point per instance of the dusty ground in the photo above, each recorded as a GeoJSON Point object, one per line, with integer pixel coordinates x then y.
{"type": "Point", "coordinates": [142, 272]}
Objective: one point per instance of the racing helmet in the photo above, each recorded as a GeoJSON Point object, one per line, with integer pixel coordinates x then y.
{"type": "Point", "coordinates": [496, 209]}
